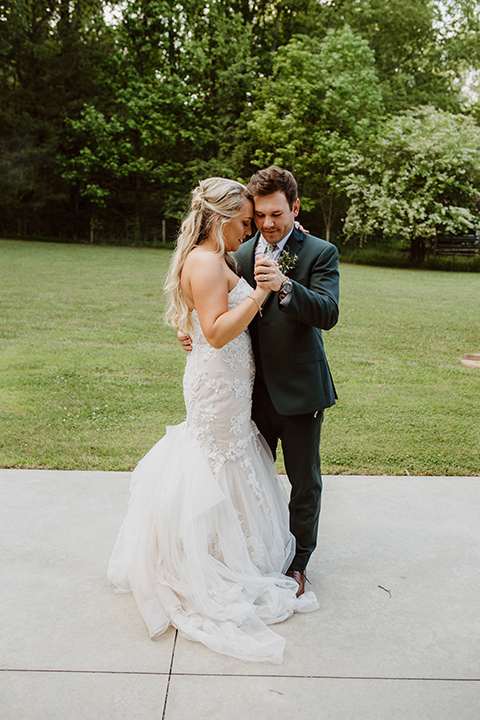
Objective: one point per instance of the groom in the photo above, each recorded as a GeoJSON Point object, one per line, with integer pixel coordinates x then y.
{"type": "Point", "coordinates": [293, 384]}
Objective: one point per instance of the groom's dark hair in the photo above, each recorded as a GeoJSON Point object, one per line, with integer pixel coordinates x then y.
{"type": "Point", "coordinates": [271, 180]}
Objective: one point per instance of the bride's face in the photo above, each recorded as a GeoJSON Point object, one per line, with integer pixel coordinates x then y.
{"type": "Point", "coordinates": [238, 228]}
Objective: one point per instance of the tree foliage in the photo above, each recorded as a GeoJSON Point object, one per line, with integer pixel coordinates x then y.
{"type": "Point", "coordinates": [422, 176]}
{"type": "Point", "coordinates": [106, 124]}
{"type": "Point", "coordinates": [51, 64]}
{"type": "Point", "coordinates": [422, 48]}
{"type": "Point", "coordinates": [322, 99]}
{"type": "Point", "coordinates": [171, 114]}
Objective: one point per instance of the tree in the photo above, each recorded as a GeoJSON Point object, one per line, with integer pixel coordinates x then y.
{"type": "Point", "coordinates": [51, 63]}
{"type": "Point", "coordinates": [421, 176]}
{"type": "Point", "coordinates": [168, 115]}
{"type": "Point", "coordinates": [322, 99]}
{"type": "Point", "coordinates": [422, 48]}
{"type": "Point", "coordinates": [113, 123]}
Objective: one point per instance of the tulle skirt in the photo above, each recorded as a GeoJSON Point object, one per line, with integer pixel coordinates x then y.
{"type": "Point", "coordinates": [205, 551]}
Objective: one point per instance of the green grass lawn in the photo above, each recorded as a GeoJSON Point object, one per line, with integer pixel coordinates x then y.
{"type": "Point", "coordinates": [90, 375]}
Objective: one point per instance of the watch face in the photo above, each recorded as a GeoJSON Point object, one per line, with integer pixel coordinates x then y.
{"type": "Point", "coordinates": [287, 286]}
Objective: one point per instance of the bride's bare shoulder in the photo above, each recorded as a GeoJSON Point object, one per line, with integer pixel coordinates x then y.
{"type": "Point", "coordinates": [203, 262]}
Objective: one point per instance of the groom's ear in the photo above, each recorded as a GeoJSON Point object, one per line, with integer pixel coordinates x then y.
{"type": "Point", "coordinates": [296, 207]}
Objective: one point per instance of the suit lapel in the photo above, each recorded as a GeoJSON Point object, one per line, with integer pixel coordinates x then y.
{"type": "Point", "coordinates": [248, 265]}
{"type": "Point", "coordinates": [294, 245]}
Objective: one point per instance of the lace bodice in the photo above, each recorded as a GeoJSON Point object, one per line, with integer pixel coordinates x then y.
{"type": "Point", "coordinates": [217, 388]}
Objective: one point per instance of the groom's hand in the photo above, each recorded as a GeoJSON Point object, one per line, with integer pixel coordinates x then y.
{"type": "Point", "coordinates": [268, 275]}
{"type": "Point", "coordinates": [185, 341]}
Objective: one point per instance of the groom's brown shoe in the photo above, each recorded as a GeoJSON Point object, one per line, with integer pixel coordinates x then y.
{"type": "Point", "coordinates": [300, 577]}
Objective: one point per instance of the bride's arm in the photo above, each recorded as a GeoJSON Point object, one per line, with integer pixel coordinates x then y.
{"type": "Point", "coordinates": [207, 276]}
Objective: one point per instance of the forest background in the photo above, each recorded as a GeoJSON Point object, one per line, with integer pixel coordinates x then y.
{"type": "Point", "coordinates": [111, 112]}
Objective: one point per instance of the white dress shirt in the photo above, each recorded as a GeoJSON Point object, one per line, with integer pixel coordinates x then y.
{"type": "Point", "coordinates": [261, 249]}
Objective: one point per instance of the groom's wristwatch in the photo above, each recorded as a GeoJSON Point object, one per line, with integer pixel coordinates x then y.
{"type": "Point", "coordinates": [285, 288]}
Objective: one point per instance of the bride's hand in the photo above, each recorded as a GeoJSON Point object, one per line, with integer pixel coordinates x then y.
{"type": "Point", "coordinates": [301, 228]}
{"type": "Point", "coordinates": [268, 275]}
{"type": "Point", "coordinates": [185, 341]}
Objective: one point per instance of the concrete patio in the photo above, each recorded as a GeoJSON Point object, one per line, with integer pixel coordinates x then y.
{"type": "Point", "coordinates": [397, 635]}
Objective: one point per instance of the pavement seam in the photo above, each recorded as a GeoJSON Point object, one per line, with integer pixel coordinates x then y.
{"type": "Point", "coordinates": [328, 677]}
{"type": "Point", "coordinates": [169, 675]}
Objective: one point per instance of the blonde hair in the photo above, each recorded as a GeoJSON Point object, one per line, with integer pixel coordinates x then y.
{"type": "Point", "coordinates": [214, 202]}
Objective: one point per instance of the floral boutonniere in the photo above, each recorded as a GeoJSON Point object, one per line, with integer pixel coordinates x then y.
{"type": "Point", "coordinates": [287, 262]}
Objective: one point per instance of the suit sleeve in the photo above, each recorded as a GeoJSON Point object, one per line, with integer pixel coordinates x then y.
{"type": "Point", "coordinates": [317, 304]}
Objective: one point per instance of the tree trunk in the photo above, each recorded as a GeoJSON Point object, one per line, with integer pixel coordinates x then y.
{"type": "Point", "coordinates": [417, 251]}
{"type": "Point", "coordinates": [137, 233]}
{"type": "Point", "coordinates": [328, 216]}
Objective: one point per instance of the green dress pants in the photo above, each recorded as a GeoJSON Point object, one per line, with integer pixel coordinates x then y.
{"type": "Point", "coordinates": [300, 438]}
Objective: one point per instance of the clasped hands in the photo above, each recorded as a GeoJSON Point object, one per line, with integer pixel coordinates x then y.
{"type": "Point", "coordinates": [268, 275]}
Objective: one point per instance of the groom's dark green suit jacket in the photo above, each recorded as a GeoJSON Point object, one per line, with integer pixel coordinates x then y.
{"type": "Point", "coordinates": [287, 341]}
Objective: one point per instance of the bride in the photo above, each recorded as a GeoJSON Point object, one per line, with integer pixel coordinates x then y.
{"type": "Point", "coordinates": [205, 541]}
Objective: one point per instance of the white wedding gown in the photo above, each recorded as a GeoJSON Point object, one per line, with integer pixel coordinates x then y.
{"type": "Point", "coordinates": [205, 540]}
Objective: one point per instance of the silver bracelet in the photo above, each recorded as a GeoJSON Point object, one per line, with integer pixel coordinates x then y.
{"type": "Point", "coordinates": [256, 303]}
